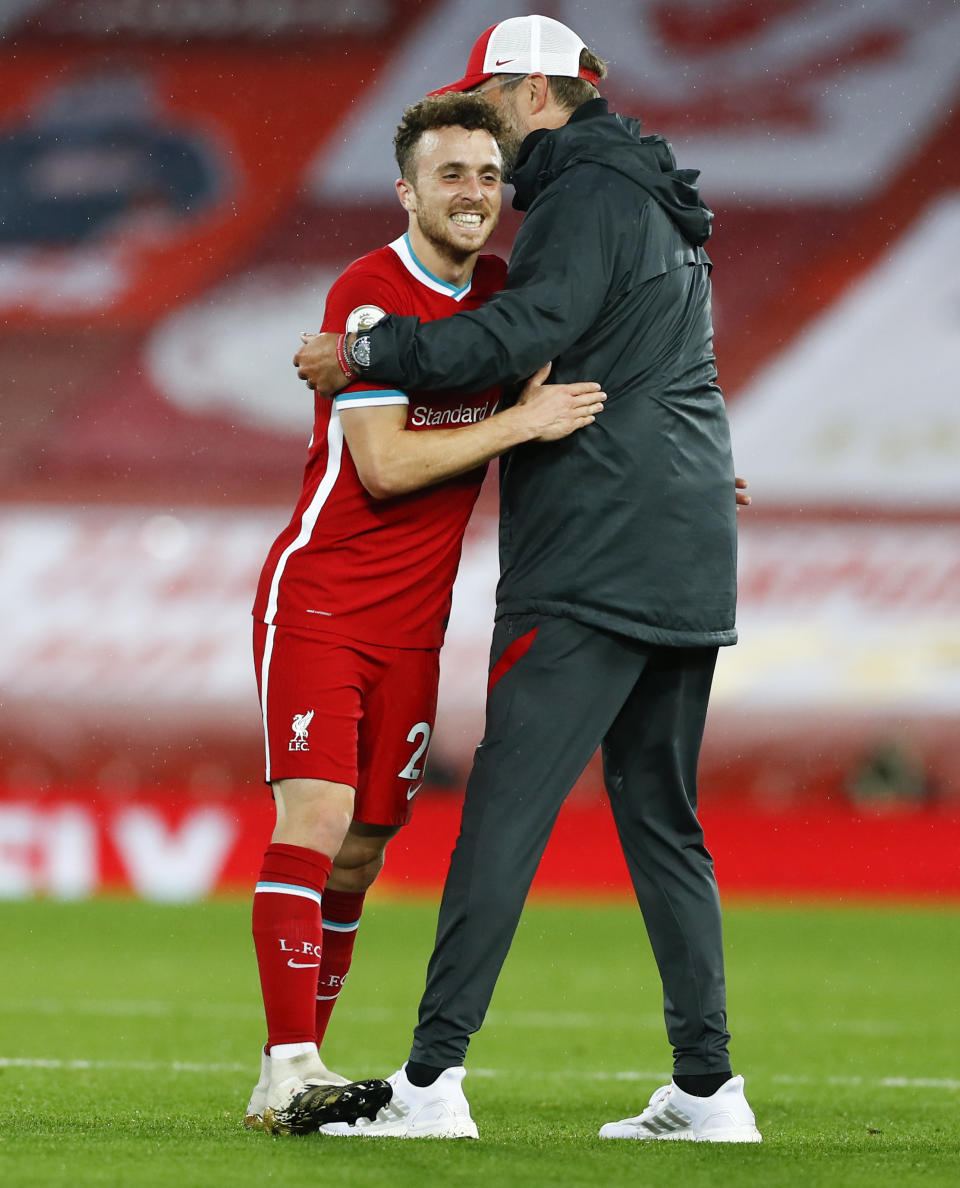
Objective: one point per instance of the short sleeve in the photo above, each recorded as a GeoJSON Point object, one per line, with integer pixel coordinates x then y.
{"type": "Point", "coordinates": [356, 289]}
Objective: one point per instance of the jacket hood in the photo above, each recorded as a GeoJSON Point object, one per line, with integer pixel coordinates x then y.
{"type": "Point", "coordinates": [594, 135]}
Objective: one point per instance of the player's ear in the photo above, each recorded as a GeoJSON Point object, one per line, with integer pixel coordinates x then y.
{"type": "Point", "coordinates": [408, 199]}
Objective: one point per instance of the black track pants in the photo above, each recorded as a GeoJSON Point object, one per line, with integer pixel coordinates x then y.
{"type": "Point", "coordinates": [559, 690]}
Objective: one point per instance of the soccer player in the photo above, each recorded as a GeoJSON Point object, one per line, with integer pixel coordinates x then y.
{"type": "Point", "coordinates": [618, 572]}
{"type": "Point", "coordinates": [354, 596]}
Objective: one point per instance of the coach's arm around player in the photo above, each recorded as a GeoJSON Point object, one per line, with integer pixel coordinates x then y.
{"type": "Point", "coordinates": [393, 460]}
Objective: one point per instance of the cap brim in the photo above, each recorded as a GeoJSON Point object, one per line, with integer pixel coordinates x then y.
{"type": "Point", "coordinates": [467, 83]}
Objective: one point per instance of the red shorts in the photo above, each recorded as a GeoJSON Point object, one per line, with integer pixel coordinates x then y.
{"type": "Point", "coordinates": [349, 712]}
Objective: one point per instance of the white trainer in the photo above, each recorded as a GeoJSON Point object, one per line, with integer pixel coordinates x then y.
{"type": "Point", "coordinates": [253, 1116]}
{"type": "Point", "coordinates": [672, 1114]}
{"type": "Point", "coordinates": [438, 1111]}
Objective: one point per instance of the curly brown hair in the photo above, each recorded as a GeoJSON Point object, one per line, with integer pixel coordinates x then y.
{"type": "Point", "coordinates": [452, 110]}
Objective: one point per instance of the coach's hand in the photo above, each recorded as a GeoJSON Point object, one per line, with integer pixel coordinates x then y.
{"type": "Point", "coordinates": [316, 363]}
{"type": "Point", "coordinates": [553, 411]}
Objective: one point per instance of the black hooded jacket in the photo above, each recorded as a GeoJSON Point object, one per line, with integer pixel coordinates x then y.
{"type": "Point", "coordinates": [629, 524]}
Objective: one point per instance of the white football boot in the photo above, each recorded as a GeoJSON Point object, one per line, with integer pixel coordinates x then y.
{"type": "Point", "coordinates": [439, 1110]}
{"type": "Point", "coordinates": [725, 1117]}
{"type": "Point", "coordinates": [253, 1117]}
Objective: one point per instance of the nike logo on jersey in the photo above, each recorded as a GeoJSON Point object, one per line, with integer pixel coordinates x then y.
{"type": "Point", "coordinates": [411, 792]}
{"type": "Point", "coordinates": [303, 964]}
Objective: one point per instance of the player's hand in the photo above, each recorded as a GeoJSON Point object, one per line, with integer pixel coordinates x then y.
{"type": "Point", "coordinates": [316, 363]}
{"type": "Point", "coordinates": [743, 499]}
{"type": "Point", "coordinates": [554, 411]}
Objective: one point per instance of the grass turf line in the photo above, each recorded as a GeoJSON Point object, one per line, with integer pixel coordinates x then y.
{"type": "Point", "coordinates": [826, 1005]}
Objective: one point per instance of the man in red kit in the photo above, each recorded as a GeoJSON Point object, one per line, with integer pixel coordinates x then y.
{"type": "Point", "coordinates": [354, 597]}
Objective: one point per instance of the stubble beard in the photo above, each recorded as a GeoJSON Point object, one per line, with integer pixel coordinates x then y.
{"type": "Point", "coordinates": [514, 135]}
{"type": "Point", "coordinates": [435, 229]}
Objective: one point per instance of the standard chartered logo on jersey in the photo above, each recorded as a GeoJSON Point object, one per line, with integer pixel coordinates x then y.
{"type": "Point", "coordinates": [423, 417]}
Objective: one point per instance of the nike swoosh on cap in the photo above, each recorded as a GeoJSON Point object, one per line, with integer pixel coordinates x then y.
{"type": "Point", "coordinates": [504, 61]}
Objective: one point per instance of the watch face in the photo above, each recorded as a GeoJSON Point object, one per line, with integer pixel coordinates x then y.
{"type": "Point", "coordinates": [360, 351]}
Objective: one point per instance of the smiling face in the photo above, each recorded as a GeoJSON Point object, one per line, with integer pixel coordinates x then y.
{"type": "Point", "coordinates": [454, 196]}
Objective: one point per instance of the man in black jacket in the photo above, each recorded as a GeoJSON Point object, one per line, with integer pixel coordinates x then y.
{"type": "Point", "coordinates": [618, 570]}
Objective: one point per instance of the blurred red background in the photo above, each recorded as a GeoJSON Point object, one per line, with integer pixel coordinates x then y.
{"type": "Point", "coordinates": [180, 186]}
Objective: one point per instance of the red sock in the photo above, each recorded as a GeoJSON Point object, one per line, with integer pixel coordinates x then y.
{"type": "Point", "coordinates": [288, 936]}
{"type": "Point", "coordinates": [341, 917]}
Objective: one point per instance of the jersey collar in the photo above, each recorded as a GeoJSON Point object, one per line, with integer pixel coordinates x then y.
{"type": "Point", "coordinates": [406, 253]}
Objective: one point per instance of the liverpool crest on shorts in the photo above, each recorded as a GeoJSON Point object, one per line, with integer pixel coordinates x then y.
{"type": "Point", "coordinates": [301, 729]}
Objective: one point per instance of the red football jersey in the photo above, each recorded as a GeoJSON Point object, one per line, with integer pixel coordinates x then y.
{"type": "Point", "coordinates": [379, 570]}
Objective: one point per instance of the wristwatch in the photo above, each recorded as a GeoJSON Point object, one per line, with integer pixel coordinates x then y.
{"type": "Point", "coordinates": [358, 353]}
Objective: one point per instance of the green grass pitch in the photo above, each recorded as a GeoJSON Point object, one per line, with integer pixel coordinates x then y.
{"type": "Point", "coordinates": [129, 1036]}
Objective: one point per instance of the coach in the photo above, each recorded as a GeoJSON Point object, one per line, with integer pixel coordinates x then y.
{"type": "Point", "coordinates": [617, 550]}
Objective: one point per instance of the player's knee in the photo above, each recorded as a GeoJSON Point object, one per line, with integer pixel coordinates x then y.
{"type": "Point", "coordinates": [356, 878]}
{"type": "Point", "coordinates": [312, 813]}
{"type": "Point", "coordinates": [358, 863]}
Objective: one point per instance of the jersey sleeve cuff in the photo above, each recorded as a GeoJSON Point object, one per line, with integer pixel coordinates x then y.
{"type": "Point", "coordinates": [368, 399]}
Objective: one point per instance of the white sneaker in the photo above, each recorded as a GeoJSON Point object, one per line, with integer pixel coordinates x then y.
{"type": "Point", "coordinates": [672, 1114]}
{"type": "Point", "coordinates": [253, 1117]}
{"type": "Point", "coordinates": [438, 1111]}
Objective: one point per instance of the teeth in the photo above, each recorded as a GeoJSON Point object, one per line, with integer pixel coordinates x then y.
{"type": "Point", "coordinates": [467, 219]}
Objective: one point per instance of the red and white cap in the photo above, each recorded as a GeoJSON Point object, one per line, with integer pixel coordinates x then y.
{"type": "Point", "coordinates": [523, 45]}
